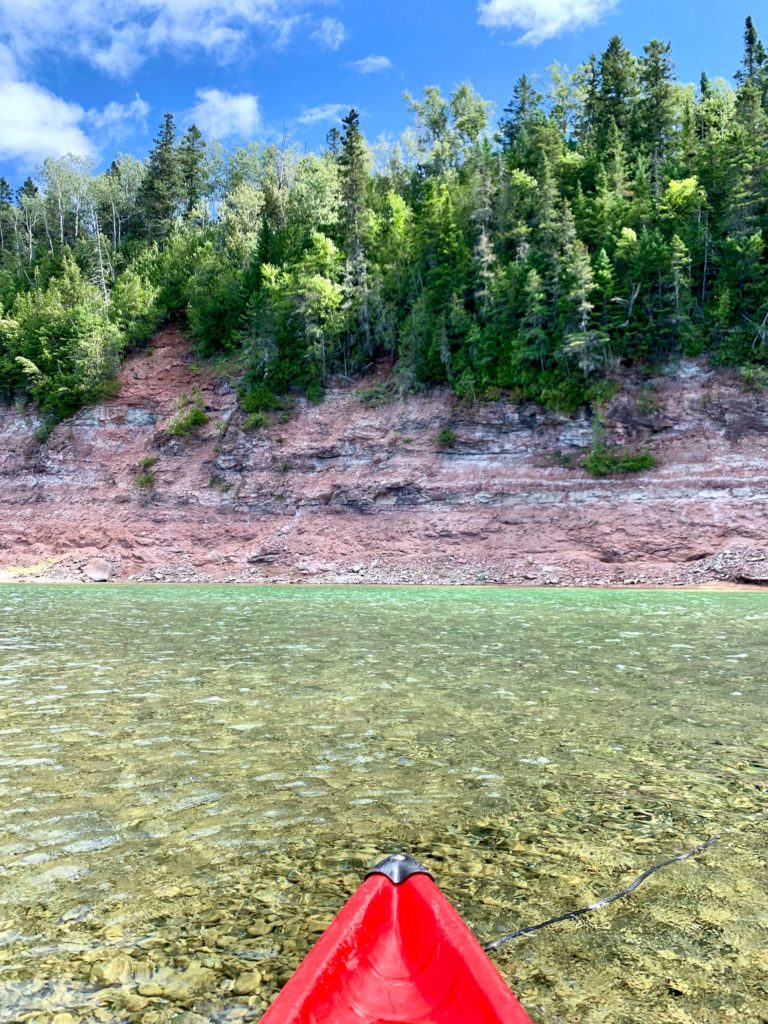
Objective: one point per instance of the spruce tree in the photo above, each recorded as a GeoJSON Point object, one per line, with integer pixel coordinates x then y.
{"type": "Point", "coordinates": [160, 192]}
{"type": "Point", "coordinates": [28, 190]}
{"type": "Point", "coordinates": [6, 199]}
{"type": "Point", "coordinates": [618, 73]}
{"type": "Point", "coordinates": [354, 179]}
{"type": "Point", "coordinates": [193, 173]}
{"type": "Point", "coordinates": [353, 174]}
{"type": "Point", "coordinates": [754, 55]}
{"type": "Point", "coordinates": [520, 116]}
{"type": "Point", "coordinates": [333, 141]}
{"type": "Point", "coordinates": [656, 109]}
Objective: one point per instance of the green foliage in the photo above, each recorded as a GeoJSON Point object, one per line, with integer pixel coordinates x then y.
{"type": "Point", "coordinates": [754, 377]}
{"type": "Point", "coordinates": [446, 439]}
{"type": "Point", "coordinates": [600, 392]}
{"type": "Point", "coordinates": [161, 189]}
{"type": "Point", "coordinates": [60, 347]}
{"type": "Point", "coordinates": [145, 480]}
{"type": "Point", "coordinates": [173, 268]}
{"type": "Point", "coordinates": [255, 421]}
{"type": "Point", "coordinates": [259, 399]}
{"type": "Point", "coordinates": [215, 301]}
{"type": "Point", "coordinates": [603, 461]}
{"type": "Point", "coordinates": [190, 415]}
{"type": "Point", "coordinates": [378, 394]}
{"type": "Point", "coordinates": [134, 306]}
{"type": "Point", "coordinates": [647, 400]}
{"type": "Point", "coordinates": [466, 387]}
{"type": "Point", "coordinates": [192, 168]}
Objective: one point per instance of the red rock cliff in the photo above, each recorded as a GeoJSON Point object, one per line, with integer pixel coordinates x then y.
{"type": "Point", "coordinates": [345, 493]}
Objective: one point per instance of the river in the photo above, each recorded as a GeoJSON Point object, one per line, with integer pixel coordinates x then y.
{"type": "Point", "coordinates": [193, 779]}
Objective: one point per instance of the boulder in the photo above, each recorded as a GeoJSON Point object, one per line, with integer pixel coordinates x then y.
{"type": "Point", "coordinates": [98, 570]}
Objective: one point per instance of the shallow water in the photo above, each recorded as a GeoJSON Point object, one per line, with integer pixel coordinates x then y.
{"type": "Point", "coordinates": [192, 780]}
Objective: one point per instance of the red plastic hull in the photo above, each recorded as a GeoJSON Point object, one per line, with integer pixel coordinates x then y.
{"type": "Point", "coordinates": [396, 954]}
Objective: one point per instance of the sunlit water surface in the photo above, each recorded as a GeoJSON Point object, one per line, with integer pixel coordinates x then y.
{"type": "Point", "coordinates": [192, 780]}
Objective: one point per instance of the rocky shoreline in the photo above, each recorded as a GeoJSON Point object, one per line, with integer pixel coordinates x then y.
{"type": "Point", "coordinates": [730, 569]}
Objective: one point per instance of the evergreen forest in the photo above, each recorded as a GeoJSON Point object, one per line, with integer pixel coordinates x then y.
{"type": "Point", "coordinates": [610, 217]}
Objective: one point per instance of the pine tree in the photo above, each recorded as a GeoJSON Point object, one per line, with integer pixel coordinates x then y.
{"type": "Point", "coordinates": [619, 87]}
{"type": "Point", "coordinates": [752, 76]}
{"type": "Point", "coordinates": [534, 322]}
{"type": "Point", "coordinates": [354, 179]}
{"type": "Point", "coordinates": [192, 170]}
{"type": "Point", "coordinates": [353, 173]}
{"type": "Point", "coordinates": [588, 84]}
{"type": "Point", "coordinates": [160, 192]}
{"type": "Point", "coordinates": [27, 190]}
{"type": "Point", "coordinates": [518, 128]}
{"type": "Point", "coordinates": [333, 142]}
{"type": "Point", "coordinates": [656, 109]}
{"type": "Point", "coordinates": [6, 199]}
{"type": "Point", "coordinates": [754, 55]}
{"type": "Point", "coordinates": [603, 275]}
{"type": "Point", "coordinates": [30, 212]}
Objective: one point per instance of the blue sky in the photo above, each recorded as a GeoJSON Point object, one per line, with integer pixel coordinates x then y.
{"type": "Point", "coordinates": [96, 76]}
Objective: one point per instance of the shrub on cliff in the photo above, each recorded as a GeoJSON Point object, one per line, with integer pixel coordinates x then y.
{"type": "Point", "coordinates": [190, 415]}
{"type": "Point", "coordinates": [602, 461]}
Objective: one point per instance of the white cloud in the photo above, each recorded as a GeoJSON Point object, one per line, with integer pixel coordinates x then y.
{"type": "Point", "coordinates": [371, 65]}
{"type": "Point", "coordinates": [117, 36]}
{"type": "Point", "coordinates": [330, 34]}
{"type": "Point", "coordinates": [283, 29]}
{"type": "Point", "coordinates": [7, 63]}
{"type": "Point", "coordinates": [543, 19]}
{"type": "Point", "coordinates": [223, 115]}
{"type": "Point", "coordinates": [326, 112]}
{"type": "Point", "coordinates": [35, 124]}
{"type": "Point", "coordinates": [115, 116]}
{"type": "Point", "coordinates": [121, 54]}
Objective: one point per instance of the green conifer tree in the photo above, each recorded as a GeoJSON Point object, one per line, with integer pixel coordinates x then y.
{"type": "Point", "coordinates": [160, 193]}
{"type": "Point", "coordinates": [192, 170]}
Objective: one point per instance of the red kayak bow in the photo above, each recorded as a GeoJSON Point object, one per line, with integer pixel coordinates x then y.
{"type": "Point", "coordinates": [396, 953]}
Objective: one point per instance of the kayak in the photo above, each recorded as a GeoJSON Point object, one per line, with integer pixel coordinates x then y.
{"type": "Point", "coordinates": [396, 953]}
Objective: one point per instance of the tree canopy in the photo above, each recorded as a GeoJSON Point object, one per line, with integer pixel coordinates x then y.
{"type": "Point", "coordinates": [614, 216]}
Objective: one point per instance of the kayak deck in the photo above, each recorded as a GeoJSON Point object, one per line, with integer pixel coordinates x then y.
{"type": "Point", "coordinates": [397, 953]}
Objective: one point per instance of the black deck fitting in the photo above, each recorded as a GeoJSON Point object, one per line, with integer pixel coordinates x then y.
{"type": "Point", "coordinates": [399, 868]}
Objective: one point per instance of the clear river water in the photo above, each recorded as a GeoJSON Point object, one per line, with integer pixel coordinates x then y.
{"type": "Point", "coordinates": [193, 779]}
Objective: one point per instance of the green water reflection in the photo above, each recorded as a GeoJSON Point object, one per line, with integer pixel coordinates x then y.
{"type": "Point", "coordinates": [193, 779]}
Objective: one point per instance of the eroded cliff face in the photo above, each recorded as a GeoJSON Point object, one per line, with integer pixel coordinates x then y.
{"type": "Point", "coordinates": [343, 492]}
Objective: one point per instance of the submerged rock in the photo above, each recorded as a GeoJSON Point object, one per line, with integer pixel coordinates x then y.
{"type": "Point", "coordinates": [247, 984]}
{"type": "Point", "coordinates": [115, 971]}
{"type": "Point", "coordinates": [183, 985]}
